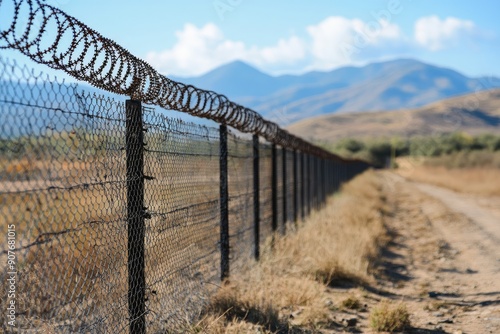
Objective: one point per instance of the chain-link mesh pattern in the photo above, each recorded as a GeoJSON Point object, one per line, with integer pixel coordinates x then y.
{"type": "Point", "coordinates": [49, 36]}
{"type": "Point", "coordinates": [289, 190]}
{"type": "Point", "coordinates": [265, 191]}
{"type": "Point", "coordinates": [182, 200]}
{"type": "Point", "coordinates": [240, 170]}
{"type": "Point", "coordinates": [117, 207]}
{"type": "Point", "coordinates": [62, 191]}
{"type": "Point", "coordinates": [279, 191]}
{"type": "Point", "coordinates": [117, 211]}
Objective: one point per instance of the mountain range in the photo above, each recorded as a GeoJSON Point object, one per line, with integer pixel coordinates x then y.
{"type": "Point", "coordinates": [390, 85]}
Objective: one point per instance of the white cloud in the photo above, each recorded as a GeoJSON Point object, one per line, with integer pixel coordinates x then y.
{"type": "Point", "coordinates": [196, 50]}
{"type": "Point", "coordinates": [435, 34]}
{"type": "Point", "coordinates": [337, 40]}
{"type": "Point", "coordinates": [287, 50]}
{"type": "Point", "coordinates": [199, 50]}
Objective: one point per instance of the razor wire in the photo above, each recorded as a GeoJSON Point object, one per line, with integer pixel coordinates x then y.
{"type": "Point", "coordinates": [65, 186]}
{"type": "Point", "coordinates": [49, 36]}
{"type": "Point", "coordinates": [63, 165]}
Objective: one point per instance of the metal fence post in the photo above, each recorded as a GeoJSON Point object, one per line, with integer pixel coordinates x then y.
{"type": "Point", "coordinates": [302, 186]}
{"type": "Point", "coordinates": [284, 189]}
{"type": "Point", "coordinates": [324, 181]}
{"type": "Point", "coordinates": [309, 181]}
{"type": "Point", "coordinates": [330, 178]}
{"type": "Point", "coordinates": [318, 183]}
{"type": "Point", "coordinates": [313, 181]}
{"type": "Point", "coordinates": [318, 187]}
{"type": "Point", "coordinates": [256, 197]}
{"type": "Point", "coordinates": [329, 170]}
{"type": "Point", "coordinates": [319, 180]}
{"type": "Point", "coordinates": [224, 199]}
{"type": "Point", "coordinates": [274, 188]}
{"type": "Point", "coordinates": [295, 188]}
{"type": "Point", "coordinates": [325, 175]}
{"type": "Point", "coordinates": [313, 173]}
{"type": "Point", "coordinates": [134, 141]}
{"type": "Point", "coordinates": [316, 177]}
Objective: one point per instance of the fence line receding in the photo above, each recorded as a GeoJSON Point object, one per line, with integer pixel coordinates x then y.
{"type": "Point", "coordinates": [121, 218]}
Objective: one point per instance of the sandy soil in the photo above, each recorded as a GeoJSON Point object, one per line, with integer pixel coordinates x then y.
{"type": "Point", "coordinates": [453, 247]}
{"type": "Point", "coordinates": [443, 261]}
{"type": "Point", "coordinates": [481, 211]}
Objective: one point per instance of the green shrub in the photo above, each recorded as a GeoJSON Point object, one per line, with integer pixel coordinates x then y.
{"type": "Point", "coordinates": [379, 151]}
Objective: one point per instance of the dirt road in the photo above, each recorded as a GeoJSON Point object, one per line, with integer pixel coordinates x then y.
{"type": "Point", "coordinates": [444, 261]}
{"type": "Point", "coordinates": [482, 212]}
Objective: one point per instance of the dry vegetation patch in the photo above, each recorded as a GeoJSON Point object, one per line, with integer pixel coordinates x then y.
{"type": "Point", "coordinates": [285, 291]}
{"type": "Point", "coordinates": [481, 181]}
{"type": "Point", "coordinates": [390, 318]}
{"type": "Point", "coordinates": [456, 172]}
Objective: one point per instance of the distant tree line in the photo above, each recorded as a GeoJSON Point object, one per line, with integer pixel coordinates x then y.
{"type": "Point", "coordinates": [379, 151]}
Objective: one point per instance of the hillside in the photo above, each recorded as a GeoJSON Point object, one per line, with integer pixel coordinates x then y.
{"type": "Point", "coordinates": [472, 113]}
{"type": "Point", "coordinates": [397, 84]}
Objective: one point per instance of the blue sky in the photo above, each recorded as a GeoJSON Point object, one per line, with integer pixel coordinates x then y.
{"type": "Point", "coordinates": [186, 38]}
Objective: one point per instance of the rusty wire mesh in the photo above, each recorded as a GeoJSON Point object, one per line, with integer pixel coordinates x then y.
{"type": "Point", "coordinates": [62, 188]}
{"type": "Point", "coordinates": [67, 170]}
{"type": "Point", "coordinates": [182, 197]}
{"type": "Point", "coordinates": [64, 180]}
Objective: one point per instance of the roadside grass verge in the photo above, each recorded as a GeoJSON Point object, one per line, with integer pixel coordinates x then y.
{"type": "Point", "coordinates": [473, 172]}
{"type": "Point", "coordinates": [285, 291]}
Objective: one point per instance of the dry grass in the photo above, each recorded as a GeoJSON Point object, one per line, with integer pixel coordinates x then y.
{"type": "Point", "coordinates": [477, 180]}
{"type": "Point", "coordinates": [436, 305]}
{"type": "Point", "coordinates": [436, 118]}
{"type": "Point", "coordinates": [390, 318]}
{"type": "Point", "coordinates": [72, 241]}
{"type": "Point", "coordinates": [466, 159]}
{"type": "Point", "coordinates": [87, 261]}
{"type": "Point", "coordinates": [287, 287]}
{"type": "Point", "coordinates": [351, 303]}
{"type": "Point", "coordinates": [340, 241]}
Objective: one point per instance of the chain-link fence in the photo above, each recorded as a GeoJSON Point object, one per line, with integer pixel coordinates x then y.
{"type": "Point", "coordinates": [118, 218]}
{"type": "Point", "coordinates": [95, 242]}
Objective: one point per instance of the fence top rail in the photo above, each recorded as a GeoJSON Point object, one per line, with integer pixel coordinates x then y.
{"type": "Point", "coordinates": [86, 55]}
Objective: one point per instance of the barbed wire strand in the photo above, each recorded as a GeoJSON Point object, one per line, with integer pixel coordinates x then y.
{"type": "Point", "coordinates": [86, 55]}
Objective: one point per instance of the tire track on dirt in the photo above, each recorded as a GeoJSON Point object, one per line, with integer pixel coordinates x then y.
{"type": "Point", "coordinates": [466, 204]}
{"type": "Point", "coordinates": [444, 259]}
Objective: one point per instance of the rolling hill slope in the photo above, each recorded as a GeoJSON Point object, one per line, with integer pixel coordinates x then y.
{"type": "Point", "coordinates": [472, 113]}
